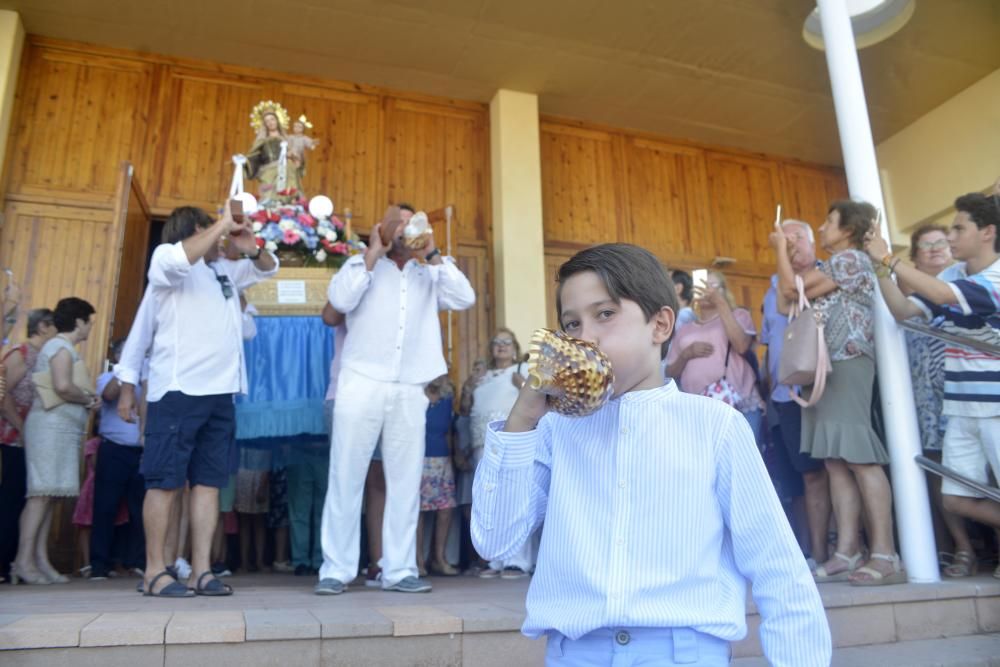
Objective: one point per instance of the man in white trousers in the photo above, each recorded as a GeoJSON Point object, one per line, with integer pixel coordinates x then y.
{"type": "Point", "coordinates": [391, 301]}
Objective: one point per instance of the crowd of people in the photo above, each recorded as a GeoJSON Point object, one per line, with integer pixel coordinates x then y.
{"type": "Point", "coordinates": [166, 482]}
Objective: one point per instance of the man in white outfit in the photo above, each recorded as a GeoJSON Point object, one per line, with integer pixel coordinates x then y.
{"type": "Point", "coordinates": [391, 301]}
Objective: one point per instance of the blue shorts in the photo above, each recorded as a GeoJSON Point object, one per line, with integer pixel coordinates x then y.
{"type": "Point", "coordinates": [188, 439]}
{"type": "Point", "coordinates": [638, 646]}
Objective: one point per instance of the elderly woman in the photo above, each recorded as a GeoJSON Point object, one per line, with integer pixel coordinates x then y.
{"type": "Point", "coordinates": [492, 398]}
{"type": "Point", "coordinates": [707, 355]}
{"type": "Point", "coordinates": [52, 440]}
{"type": "Point", "coordinates": [931, 254]}
{"type": "Point", "coordinates": [838, 428]}
{"type": "Point", "coordinates": [20, 363]}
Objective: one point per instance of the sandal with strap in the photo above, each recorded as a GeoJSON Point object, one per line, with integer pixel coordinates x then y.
{"type": "Point", "coordinates": [174, 589]}
{"type": "Point", "coordinates": [822, 576]}
{"type": "Point", "coordinates": [873, 577]}
{"type": "Point", "coordinates": [963, 564]}
{"type": "Point", "coordinates": [213, 588]}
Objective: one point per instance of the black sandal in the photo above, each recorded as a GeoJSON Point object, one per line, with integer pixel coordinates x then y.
{"type": "Point", "coordinates": [214, 588]}
{"type": "Point", "coordinates": [174, 589]}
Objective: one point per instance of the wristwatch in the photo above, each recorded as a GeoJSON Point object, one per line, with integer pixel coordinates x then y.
{"type": "Point", "coordinates": [255, 257]}
{"type": "Point", "coordinates": [432, 254]}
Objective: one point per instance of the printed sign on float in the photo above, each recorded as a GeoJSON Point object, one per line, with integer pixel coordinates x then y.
{"type": "Point", "coordinates": [291, 291]}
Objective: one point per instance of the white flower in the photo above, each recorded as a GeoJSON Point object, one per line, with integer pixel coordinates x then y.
{"type": "Point", "coordinates": [270, 246]}
{"type": "Point", "coordinates": [321, 255]}
{"type": "Point", "coordinates": [330, 236]}
{"type": "Point", "coordinates": [285, 225]}
{"type": "Point", "coordinates": [257, 226]}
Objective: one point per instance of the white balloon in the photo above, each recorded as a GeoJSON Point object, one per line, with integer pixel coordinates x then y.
{"type": "Point", "coordinates": [321, 206]}
{"type": "Point", "coordinates": [249, 202]}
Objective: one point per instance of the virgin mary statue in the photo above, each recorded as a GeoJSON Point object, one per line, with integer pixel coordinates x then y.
{"type": "Point", "coordinates": [268, 160]}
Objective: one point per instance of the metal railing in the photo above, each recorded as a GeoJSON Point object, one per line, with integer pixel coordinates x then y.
{"type": "Point", "coordinates": [933, 466]}
{"type": "Point", "coordinates": [933, 332]}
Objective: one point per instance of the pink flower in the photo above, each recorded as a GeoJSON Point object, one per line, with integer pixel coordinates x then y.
{"type": "Point", "coordinates": [307, 220]}
{"type": "Point", "coordinates": [339, 248]}
{"type": "Point", "coordinates": [291, 237]}
{"type": "Point", "coordinates": [337, 223]}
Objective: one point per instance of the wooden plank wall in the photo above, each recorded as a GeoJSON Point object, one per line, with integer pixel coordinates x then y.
{"type": "Point", "coordinates": [686, 203]}
{"type": "Point", "coordinates": [82, 109]}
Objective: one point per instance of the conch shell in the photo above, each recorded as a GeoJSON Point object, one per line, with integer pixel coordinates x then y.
{"type": "Point", "coordinates": [417, 231]}
{"type": "Point", "coordinates": [575, 374]}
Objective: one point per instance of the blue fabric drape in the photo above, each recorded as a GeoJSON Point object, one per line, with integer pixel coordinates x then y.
{"type": "Point", "coordinates": [288, 368]}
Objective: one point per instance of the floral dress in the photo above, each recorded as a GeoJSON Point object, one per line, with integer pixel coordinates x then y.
{"type": "Point", "coordinates": [848, 312]}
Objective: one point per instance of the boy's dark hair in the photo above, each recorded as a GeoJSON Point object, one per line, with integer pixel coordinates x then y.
{"type": "Point", "coordinates": [406, 207]}
{"type": "Point", "coordinates": [183, 222]}
{"type": "Point", "coordinates": [628, 272]}
{"type": "Point", "coordinates": [857, 218]}
{"type": "Point", "coordinates": [37, 317]}
{"type": "Point", "coordinates": [68, 311]}
{"type": "Point", "coordinates": [982, 210]}
{"type": "Point", "coordinates": [919, 233]}
{"type": "Point", "coordinates": [683, 278]}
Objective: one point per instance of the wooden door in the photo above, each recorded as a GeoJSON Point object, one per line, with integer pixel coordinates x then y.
{"type": "Point", "coordinates": [133, 222]}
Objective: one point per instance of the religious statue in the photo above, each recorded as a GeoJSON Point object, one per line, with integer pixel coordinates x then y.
{"type": "Point", "coordinates": [299, 143]}
{"type": "Point", "coordinates": [268, 159]}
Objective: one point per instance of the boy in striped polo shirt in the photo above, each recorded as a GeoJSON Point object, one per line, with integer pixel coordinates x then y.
{"type": "Point", "coordinates": [970, 307]}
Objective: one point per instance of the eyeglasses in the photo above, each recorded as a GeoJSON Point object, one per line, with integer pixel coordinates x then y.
{"type": "Point", "coordinates": [225, 285]}
{"type": "Point", "coordinates": [502, 341]}
{"type": "Point", "coordinates": [940, 244]}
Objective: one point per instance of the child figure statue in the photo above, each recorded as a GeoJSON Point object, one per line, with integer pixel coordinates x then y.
{"type": "Point", "coordinates": [298, 143]}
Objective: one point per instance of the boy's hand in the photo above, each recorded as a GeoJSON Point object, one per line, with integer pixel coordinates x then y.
{"type": "Point", "coordinates": [528, 410]}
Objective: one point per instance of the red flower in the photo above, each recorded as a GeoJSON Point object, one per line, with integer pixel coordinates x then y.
{"type": "Point", "coordinates": [260, 242]}
{"type": "Point", "coordinates": [306, 219]}
{"type": "Point", "coordinates": [260, 215]}
{"type": "Point", "coordinates": [337, 223]}
{"type": "Point", "coordinates": [339, 248]}
{"type": "Point", "coordinates": [273, 216]}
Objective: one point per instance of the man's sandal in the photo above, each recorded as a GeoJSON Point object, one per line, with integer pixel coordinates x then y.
{"type": "Point", "coordinates": [174, 589]}
{"type": "Point", "coordinates": [212, 588]}
{"type": "Point", "coordinates": [869, 576]}
{"type": "Point", "coordinates": [822, 576]}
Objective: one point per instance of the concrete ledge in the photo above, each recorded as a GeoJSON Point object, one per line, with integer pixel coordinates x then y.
{"type": "Point", "coordinates": [280, 624]}
{"type": "Point", "coordinates": [126, 629]}
{"type": "Point", "coordinates": [436, 650]}
{"type": "Point", "coordinates": [302, 652]}
{"type": "Point", "coordinates": [412, 620]}
{"type": "Point", "coordinates": [975, 651]}
{"type": "Point", "coordinates": [44, 631]}
{"type": "Point", "coordinates": [206, 627]}
{"type": "Point", "coordinates": [342, 623]}
{"type": "Point", "coordinates": [501, 649]}
{"type": "Point", "coordinates": [109, 656]}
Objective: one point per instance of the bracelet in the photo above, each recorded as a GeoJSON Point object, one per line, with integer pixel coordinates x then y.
{"type": "Point", "coordinates": [892, 267]}
{"type": "Point", "coordinates": [432, 254]}
{"type": "Point", "coordinates": [886, 260]}
{"type": "Point", "coordinates": [255, 257]}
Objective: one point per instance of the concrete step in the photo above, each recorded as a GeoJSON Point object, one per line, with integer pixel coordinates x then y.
{"type": "Point", "coordinates": [971, 651]}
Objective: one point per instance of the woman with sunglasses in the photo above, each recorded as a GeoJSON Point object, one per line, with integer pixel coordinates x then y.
{"type": "Point", "coordinates": [492, 399]}
{"type": "Point", "coordinates": [931, 254]}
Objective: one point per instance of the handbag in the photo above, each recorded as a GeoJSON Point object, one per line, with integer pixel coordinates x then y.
{"type": "Point", "coordinates": [722, 389]}
{"type": "Point", "coordinates": [805, 359]}
{"type": "Point", "coordinates": [46, 391]}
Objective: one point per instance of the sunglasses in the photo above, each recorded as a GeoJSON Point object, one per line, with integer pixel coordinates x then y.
{"type": "Point", "coordinates": [502, 341]}
{"type": "Point", "coordinates": [225, 285]}
{"type": "Point", "coordinates": [940, 244]}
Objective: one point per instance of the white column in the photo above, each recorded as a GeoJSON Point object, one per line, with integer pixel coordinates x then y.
{"type": "Point", "coordinates": [909, 486]}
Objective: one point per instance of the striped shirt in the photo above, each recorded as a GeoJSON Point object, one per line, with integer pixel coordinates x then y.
{"type": "Point", "coordinates": [657, 509]}
{"type": "Point", "coordinates": [971, 378]}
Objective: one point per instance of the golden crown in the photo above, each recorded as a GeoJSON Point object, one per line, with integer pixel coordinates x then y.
{"type": "Point", "coordinates": [305, 122]}
{"type": "Point", "coordinates": [265, 107]}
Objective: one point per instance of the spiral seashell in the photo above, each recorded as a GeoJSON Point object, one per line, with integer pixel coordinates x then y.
{"type": "Point", "coordinates": [575, 374]}
{"type": "Point", "coordinates": [417, 232]}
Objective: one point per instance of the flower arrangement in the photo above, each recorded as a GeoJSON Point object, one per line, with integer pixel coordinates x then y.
{"type": "Point", "coordinates": [295, 235]}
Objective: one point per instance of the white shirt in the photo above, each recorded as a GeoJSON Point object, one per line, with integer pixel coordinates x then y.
{"type": "Point", "coordinates": [132, 366]}
{"type": "Point", "coordinates": [393, 316]}
{"type": "Point", "coordinates": [198, 336]}
{"type": "Point", "coordinates": [249, 324]}
{"type": "Point", "coordinates": [657, 509]}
